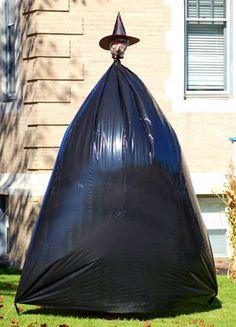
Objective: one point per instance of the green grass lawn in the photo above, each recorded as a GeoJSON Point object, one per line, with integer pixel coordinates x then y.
{"type": "Point", "coordinates": [220, 314]}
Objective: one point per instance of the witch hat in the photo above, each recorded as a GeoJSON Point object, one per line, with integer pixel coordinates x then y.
{"type": "Point", "coordinates": [118, 32]}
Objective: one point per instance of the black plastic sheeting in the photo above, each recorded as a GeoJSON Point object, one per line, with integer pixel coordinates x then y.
{"type": "Point", "coordinates": [120, 228]}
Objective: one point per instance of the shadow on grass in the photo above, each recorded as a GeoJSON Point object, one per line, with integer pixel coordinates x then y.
{"type": "Point", "coordinates": [8, 280]}
{"type": "Point", "coordinates": [6, 286]}
{"type": "Point", "coordinates": [184, 309]}
{"type": "Point", "coordinates": [9, 271]}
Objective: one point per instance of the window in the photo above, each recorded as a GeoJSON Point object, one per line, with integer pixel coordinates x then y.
{"type": "Point", "coordinates": [205, 46]}
{"type": "Point", "coordinates": [10, 47]}
{"type": "Point", "coordinates": [218, 242]}
{"type": "Point", "coordinates": [213, 213]}
{"type": "Point", "coordinates": [3, 227]}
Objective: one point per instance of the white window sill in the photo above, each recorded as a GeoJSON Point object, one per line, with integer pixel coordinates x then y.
{"type": "Point", "coordinates": [207, 95]}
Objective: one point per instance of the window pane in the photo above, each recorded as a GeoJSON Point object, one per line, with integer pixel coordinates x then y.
{"type": "Point", "coordinates": [215, 219]}
{"type": "Point", "coordinates": [192, 8]}
{"type": "Point", "coordinates": [219, 9]}
{"type": "Point", "coordinates": [10, 47]}
{"type": "Point", "coordinates": [218, 242]}
{"type": "Point", "coordinates": [3, 226]}
{"type": "Point", "coordinates": [205, 56]}
{"type": "Point", "coordinates": [213, 213]}
{"type": "Point", "coordinates": [11, 60]}
{"type": "Point", "coordinates": [11, 12]}
{"type": "Point", "coordinates": [205, 8]}
{"type": "Point", "coordinates": [212, 208]}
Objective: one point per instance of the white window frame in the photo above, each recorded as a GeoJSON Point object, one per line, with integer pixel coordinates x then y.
{"type": "Point", "coordinates": [206, 93]}
{"type": "Point", "coordinates": [174, 87]}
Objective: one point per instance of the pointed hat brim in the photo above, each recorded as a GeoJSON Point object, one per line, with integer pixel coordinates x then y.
{"type": "Point", "coordinates": [105, 41]}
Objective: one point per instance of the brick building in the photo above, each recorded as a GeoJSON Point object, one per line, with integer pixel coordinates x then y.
{"type": "Point", "coordinates": [50, 60]}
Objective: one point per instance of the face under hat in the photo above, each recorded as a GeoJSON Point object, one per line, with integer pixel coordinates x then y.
{"type": "Point", "coordinates": [118, 32]}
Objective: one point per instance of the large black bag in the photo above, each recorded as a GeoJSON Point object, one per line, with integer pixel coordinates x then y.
{"type": "Point", "coordinates": [120, 228]}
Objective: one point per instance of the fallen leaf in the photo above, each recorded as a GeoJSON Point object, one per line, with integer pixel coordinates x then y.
{"type": "Point", "coordinates": [10, 286]}
{"type": "Point", "coordinates": [64, 325]}
{"type": "Point", "coordinates": [15, 322]}
{"type": "Point", "coordinates": [1, 305]}
{"type": "Point", "coordinates": [43, 325]}
{"type": "Point", "coordinates": [20, 309]}
{"type": "Point", "coordinates": [147, 324]}
{"type": "Point", "coordinates": [1, 298]}
{"type": "Point", "coordinates": [201, 323]}
{"type": "Point", "coordinates": [1, 317]}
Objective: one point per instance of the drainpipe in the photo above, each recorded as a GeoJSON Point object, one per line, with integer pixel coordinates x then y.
{"type": "Point", "coordinates": [233, 140]}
